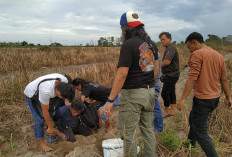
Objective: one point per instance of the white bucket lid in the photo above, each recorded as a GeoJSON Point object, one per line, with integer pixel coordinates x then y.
{"type": "Point", "coordinates": [111, 143]}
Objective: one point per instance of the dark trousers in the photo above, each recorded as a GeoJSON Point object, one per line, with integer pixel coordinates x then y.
{"type": "Point", "coordinates": [198, 120]}
{"type": "Point", "coordinates": [70, 133]}
{"type": "Point", "coordinates": [169, 90]}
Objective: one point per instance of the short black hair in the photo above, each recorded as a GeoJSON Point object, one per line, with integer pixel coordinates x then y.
{"type": "Point", "coordinates": [78, 81]}
{"type": "Point", "coordinates": [195, 36]}
{"type": "Point", "coordinates": [66, 90]}
{"type": "Point", "coordinates": [77, 105]}
{"type": "Point", "coordinates": [168, 35]}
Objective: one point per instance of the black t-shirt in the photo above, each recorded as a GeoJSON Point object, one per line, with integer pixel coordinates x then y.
{"type": "Point", "coordinates": [96, 92]}
{"type": "Point", "coordinates": [172, 69]}
{"type": "Point", "coordinates": [136, 54]}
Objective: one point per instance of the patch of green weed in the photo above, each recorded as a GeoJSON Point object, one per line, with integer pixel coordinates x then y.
{"type": "Point", "coordinates": [170, 140]}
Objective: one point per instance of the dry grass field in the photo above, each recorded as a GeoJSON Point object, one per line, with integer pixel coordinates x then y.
{"type": "Point", "coordinates": [19, 66]}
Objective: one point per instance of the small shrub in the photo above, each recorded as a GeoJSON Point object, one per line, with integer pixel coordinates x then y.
{"type": "Point", "coordinates": [170, 140]}
{"type": "Point", "coordinates": [44, 48]}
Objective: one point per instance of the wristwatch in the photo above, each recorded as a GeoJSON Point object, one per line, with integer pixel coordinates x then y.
{"type": "Point", "coordinates": [108, 100]}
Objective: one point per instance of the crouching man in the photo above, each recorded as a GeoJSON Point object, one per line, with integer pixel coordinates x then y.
{"type": "Point", "coordinates": [69, 123]}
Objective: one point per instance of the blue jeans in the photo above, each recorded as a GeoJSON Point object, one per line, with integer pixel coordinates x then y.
{"type": "Point", "coordinates": [38, 122]}
{"type": "Point", "coordinates": [198, 120]}
{"type": "Point", "coordinates": [158, 119]}
{"type": "Point", "coordinates": [116, 103]}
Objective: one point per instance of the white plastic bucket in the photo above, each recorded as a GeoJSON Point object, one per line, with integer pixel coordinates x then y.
{"type": "Point", "coordinates": [113, 147]}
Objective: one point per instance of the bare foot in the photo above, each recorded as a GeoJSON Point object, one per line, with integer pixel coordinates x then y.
{"type": "Point", "coordinates": [156, 133]}
{"type": "Point", "coordinates": [164, 115]}
{"type": "Point", "coordinates": [172, 113]}
{"type": "Point", "coordinates": [100, 121]}
{"type": "Point", "coordinates": [166, 111]}
{"type": "Point", "coordinates": [173, 110]}
{"type": "Point", "coordinates": [43, 146]}
{"type": "Point", "coordinates": [46, 148]}
{"type": "Point", "coordinates": [109, 128]}
{"type": "Point", "coordinates": [60, 134]}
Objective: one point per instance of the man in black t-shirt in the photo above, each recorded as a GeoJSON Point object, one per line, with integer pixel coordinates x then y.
{"type": "Point", "coordinates": [137, 67]}
{"type": "Point", "coordinates": [170, 70]}
{"type": "Point", "coordinates": [95, 93]}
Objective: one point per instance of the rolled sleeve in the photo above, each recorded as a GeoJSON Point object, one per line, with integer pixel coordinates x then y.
{"type": "Point", "coordinates": [171, 51]}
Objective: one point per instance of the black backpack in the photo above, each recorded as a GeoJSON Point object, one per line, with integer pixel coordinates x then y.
{"type": "Point", "coordinates": [55, 103]}
{"type": "Point", "coordinates": [89, 116]}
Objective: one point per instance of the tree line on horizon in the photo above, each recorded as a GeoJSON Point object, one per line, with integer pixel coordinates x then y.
{"type": "Point", "coordinates": [213, 40]}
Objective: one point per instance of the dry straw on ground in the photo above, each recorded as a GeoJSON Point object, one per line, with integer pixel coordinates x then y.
{"type": "Point", "coordinates": [96, 64]}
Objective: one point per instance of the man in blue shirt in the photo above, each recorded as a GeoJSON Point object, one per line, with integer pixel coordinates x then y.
{"type": "Point", "coordinates": [69, 122]}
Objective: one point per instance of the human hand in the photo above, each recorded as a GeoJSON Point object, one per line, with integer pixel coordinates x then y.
{"type": "Point", "coordinates": [50, 130]}
{"type": "Point", "coordinates": [90, 101]}
{"type": "Point", "coordinates": [67, 103]}
{"type": "Point", "coordinates": [180, 103]}
{"type": "Point", "coordinates": [108, 109]}
{"type": "Point", "coordinates": [94, 102]}
{"type": "Point", "coordinates": [228, 103]}
{"type": "Point", "coordinates": [101, 110]}
{"type": "Point", "coordinates": [56, 131]}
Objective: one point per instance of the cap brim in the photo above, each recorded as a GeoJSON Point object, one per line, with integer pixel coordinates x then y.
{"type": "Point", "coordinates": [135, 24]}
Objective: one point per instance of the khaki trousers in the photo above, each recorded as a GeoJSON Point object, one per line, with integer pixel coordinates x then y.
{"type": "Point", "coordinates": [135, 113]}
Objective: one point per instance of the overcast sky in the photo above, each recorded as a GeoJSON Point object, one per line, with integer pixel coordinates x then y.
{"type": "Point", "coordinates": [74, 22]}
